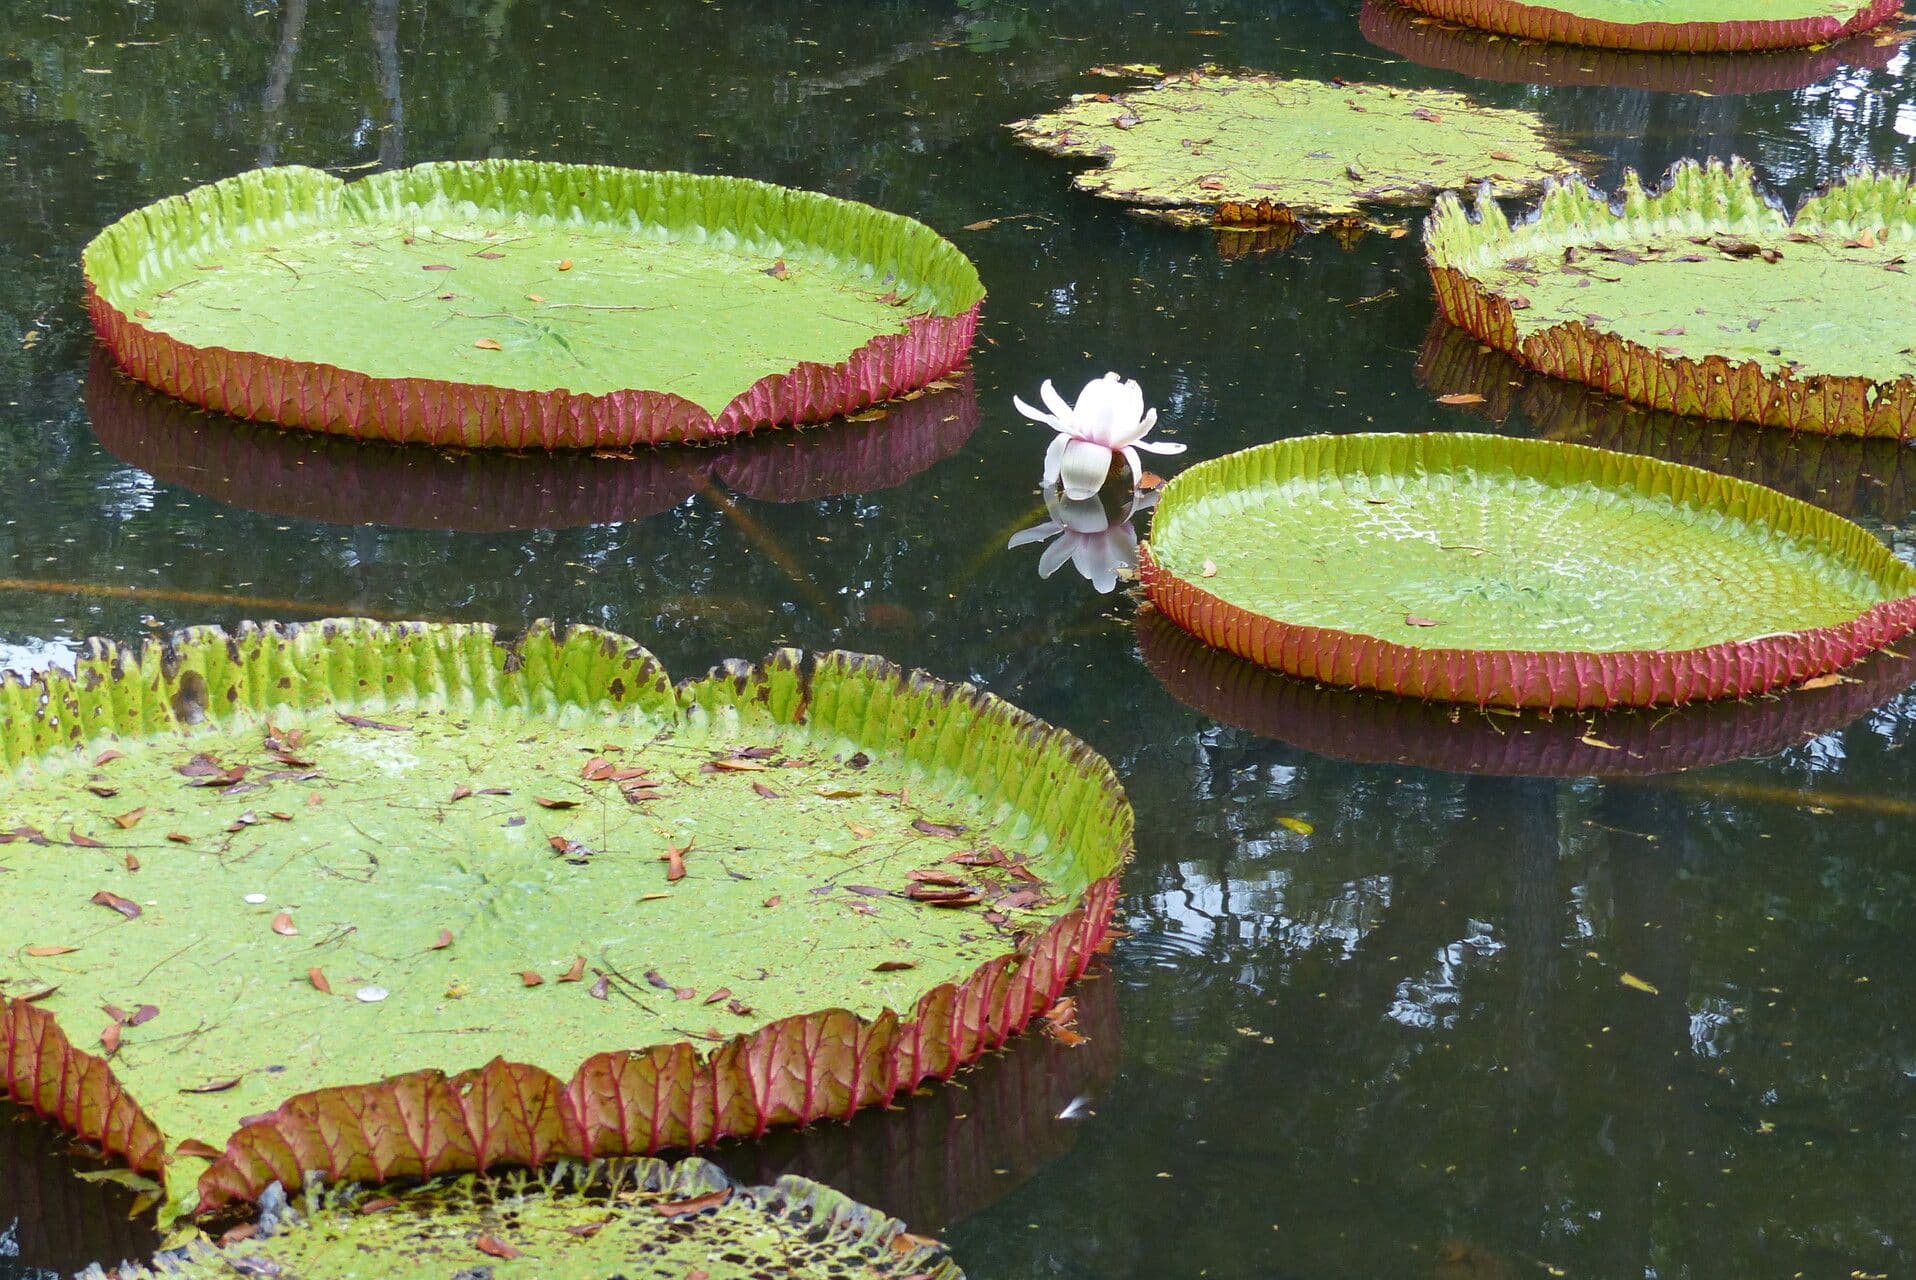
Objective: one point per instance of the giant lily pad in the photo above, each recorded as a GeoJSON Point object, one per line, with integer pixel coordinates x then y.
{"type": "Point", "coordinates": [1213, 147]}
{"type": "Point", "coordinates": [527, 305]}
{"type": "Point", "coordinates": [318, 477]}
{"type": "Point", "coordinates": [1375, 728]}
{"type": "Point", "coordinates": [1484, 55]}
{"type": "Point", "coordinates": [608, 1220]}
{"type": "Point", "coordinates": [1702, 298]}
{"type": "Point", "coordinates": [382, 901]}
{"type": "Point", "coordinates": [1671, 26]}
{"type": "Point", "coordinates": [1871, 480]}
{"type": "Point", "coordinates": [1480, 569]}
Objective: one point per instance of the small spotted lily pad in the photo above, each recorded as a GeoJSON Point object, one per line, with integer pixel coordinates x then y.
{"type": "Point", "coordinates": [1701, 298]}
{"type": "Point", "coordinates": [522, 901]}
{"type": "Point", "coordinates": [607, 1220]}
{"type": "Point", "coordinates": [527, 305]}
{"type": "Point", "coordinates": [1480, 569]}
{"type": "Point", "coordinates": [1245, 150]}
{"type": "Point", "coordinates": [1671, 26]}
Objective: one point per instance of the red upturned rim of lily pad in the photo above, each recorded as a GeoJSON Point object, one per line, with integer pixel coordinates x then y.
{"type": "Point", "coordinates": [665, 1096]}
{"type": "Point", "coordinates": [320, 396]}
{"type": "Point", "coordinates": [1448, 46]}
{"type": "Point", "coordinates": [314, 476]}
{"type": "Point", "coordinates": [1543, 22]}
{"type": "Point", "coordinates": [1374, 728]}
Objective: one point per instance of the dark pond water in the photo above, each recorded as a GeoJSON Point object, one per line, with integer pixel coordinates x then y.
{"type": "Point", "coordinates": [1399, 1046]}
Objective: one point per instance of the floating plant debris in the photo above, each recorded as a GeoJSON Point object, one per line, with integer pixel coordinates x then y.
{"type": "Point", "coordinates": [1231, 150]}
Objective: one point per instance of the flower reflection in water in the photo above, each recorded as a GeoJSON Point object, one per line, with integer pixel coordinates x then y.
{"type": "Point", "coordinates": [1098, 541]}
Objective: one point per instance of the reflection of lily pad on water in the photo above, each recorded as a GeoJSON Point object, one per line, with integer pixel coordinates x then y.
{"type": "Point", "coordinates": [317, 477]}
{"type": "Point", "coordinates": [1224, 149]}
{"type": "Point", "coordinates": [520, 902]}
{"type": "Point", "coordinates": [1483, 55]}
{"type": "Point", "coordinates": [1872, 480]}
{"type": "Point", "coordinates": [1375, 728]}
{"type": "Point", "coordinates": [1472, 568]}
{"type": "Point", "coordinates": [602, 1221]}
{"type": "Point", "coordinates": [527, 305]}
{"type": "Point", "coordinates": [964, 1146]}
{"type": "Point", "coordinates": [52, 1222]}
{"type": "Point", "coordinates": [1702, 298]}
{"type": "Point", "coordinates": [1671, 26]}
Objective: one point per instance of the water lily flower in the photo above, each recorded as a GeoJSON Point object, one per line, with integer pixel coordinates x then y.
{"type": "Point", "coordinates": [1097, 543]}
{"type": "Point", "coordinates": [1108, 419]}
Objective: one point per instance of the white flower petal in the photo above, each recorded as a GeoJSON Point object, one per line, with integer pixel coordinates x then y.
{"type": "Point", "coordinates": [1137, 471]}
{"type": "Point", "coordinates": [1053, 460]}
{"type": "Point", "coordinates": [1036, 415]}
{"type": "Point", "coordinates": [1160, 446]}
{"type": "Point", "coordinates": [1083, 468]}
{"type": "Point", "coordinates": [1060, 411]}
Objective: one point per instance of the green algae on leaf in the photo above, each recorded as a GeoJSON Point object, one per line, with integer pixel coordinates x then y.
{"type": "Point", "coordinates": [1701, 298]}
{"type": "Point", "coordinates": [634, 1219]}
{"type": "Point", "coordinates": [524, 304]}
{"type": "Point", "coordinates": [731, 857]}
{"type": "Point", "coordinates": [1226, 149]}
{"type": "Point", "coordinates": [1671, 26]}
{"type": "Point", "coordinates": [1473, 568]}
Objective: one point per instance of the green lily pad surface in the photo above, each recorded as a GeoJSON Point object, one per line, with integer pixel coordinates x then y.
{"type": "Point", "coordinates": [1213, 146]}
{"type": "Point", "coordinates": [1702, 298]}
{"type": "Point", "coordinates": [311, 859]}
{"type": "Point", "coordinates": [1432, 564]}
{"type": "Point", "coordinates": [523, 277]}
{"type": "Point", "coordinates": [612, 1220]}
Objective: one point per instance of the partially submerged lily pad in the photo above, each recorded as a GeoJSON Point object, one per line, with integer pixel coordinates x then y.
{"type": "Point", "coordinates": [1702, 298]}
{"type": "Point", "coordinates": [1484, 55]}
{"type": "Point", "coordinates": [607, 1220]}
{"type": "Point", "coordinates": [527, 305]}
{"type": "Point", "coordinates": [1375, 728]}
{"type": "Point", "coordinates": [1472, 568]}
{"type": "Point", "coordinates": [311, 476]}
{"type": "Point", "coordinates": [1671, 26]}
{"type": "Point", "coordinates": [384, 901]}
{"type": "Point", "coordinates": [1235, 150]}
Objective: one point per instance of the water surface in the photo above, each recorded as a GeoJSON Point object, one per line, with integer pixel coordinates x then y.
{"type": "Point", "coordinates": [1401, 1045]}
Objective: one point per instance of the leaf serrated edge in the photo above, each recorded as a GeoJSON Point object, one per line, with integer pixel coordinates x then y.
{"type": "Point", "coordinates": [1461, 242]}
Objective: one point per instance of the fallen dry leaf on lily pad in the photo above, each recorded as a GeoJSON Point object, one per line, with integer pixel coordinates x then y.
{"type": "Point", "coordinates": [541, 997]}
